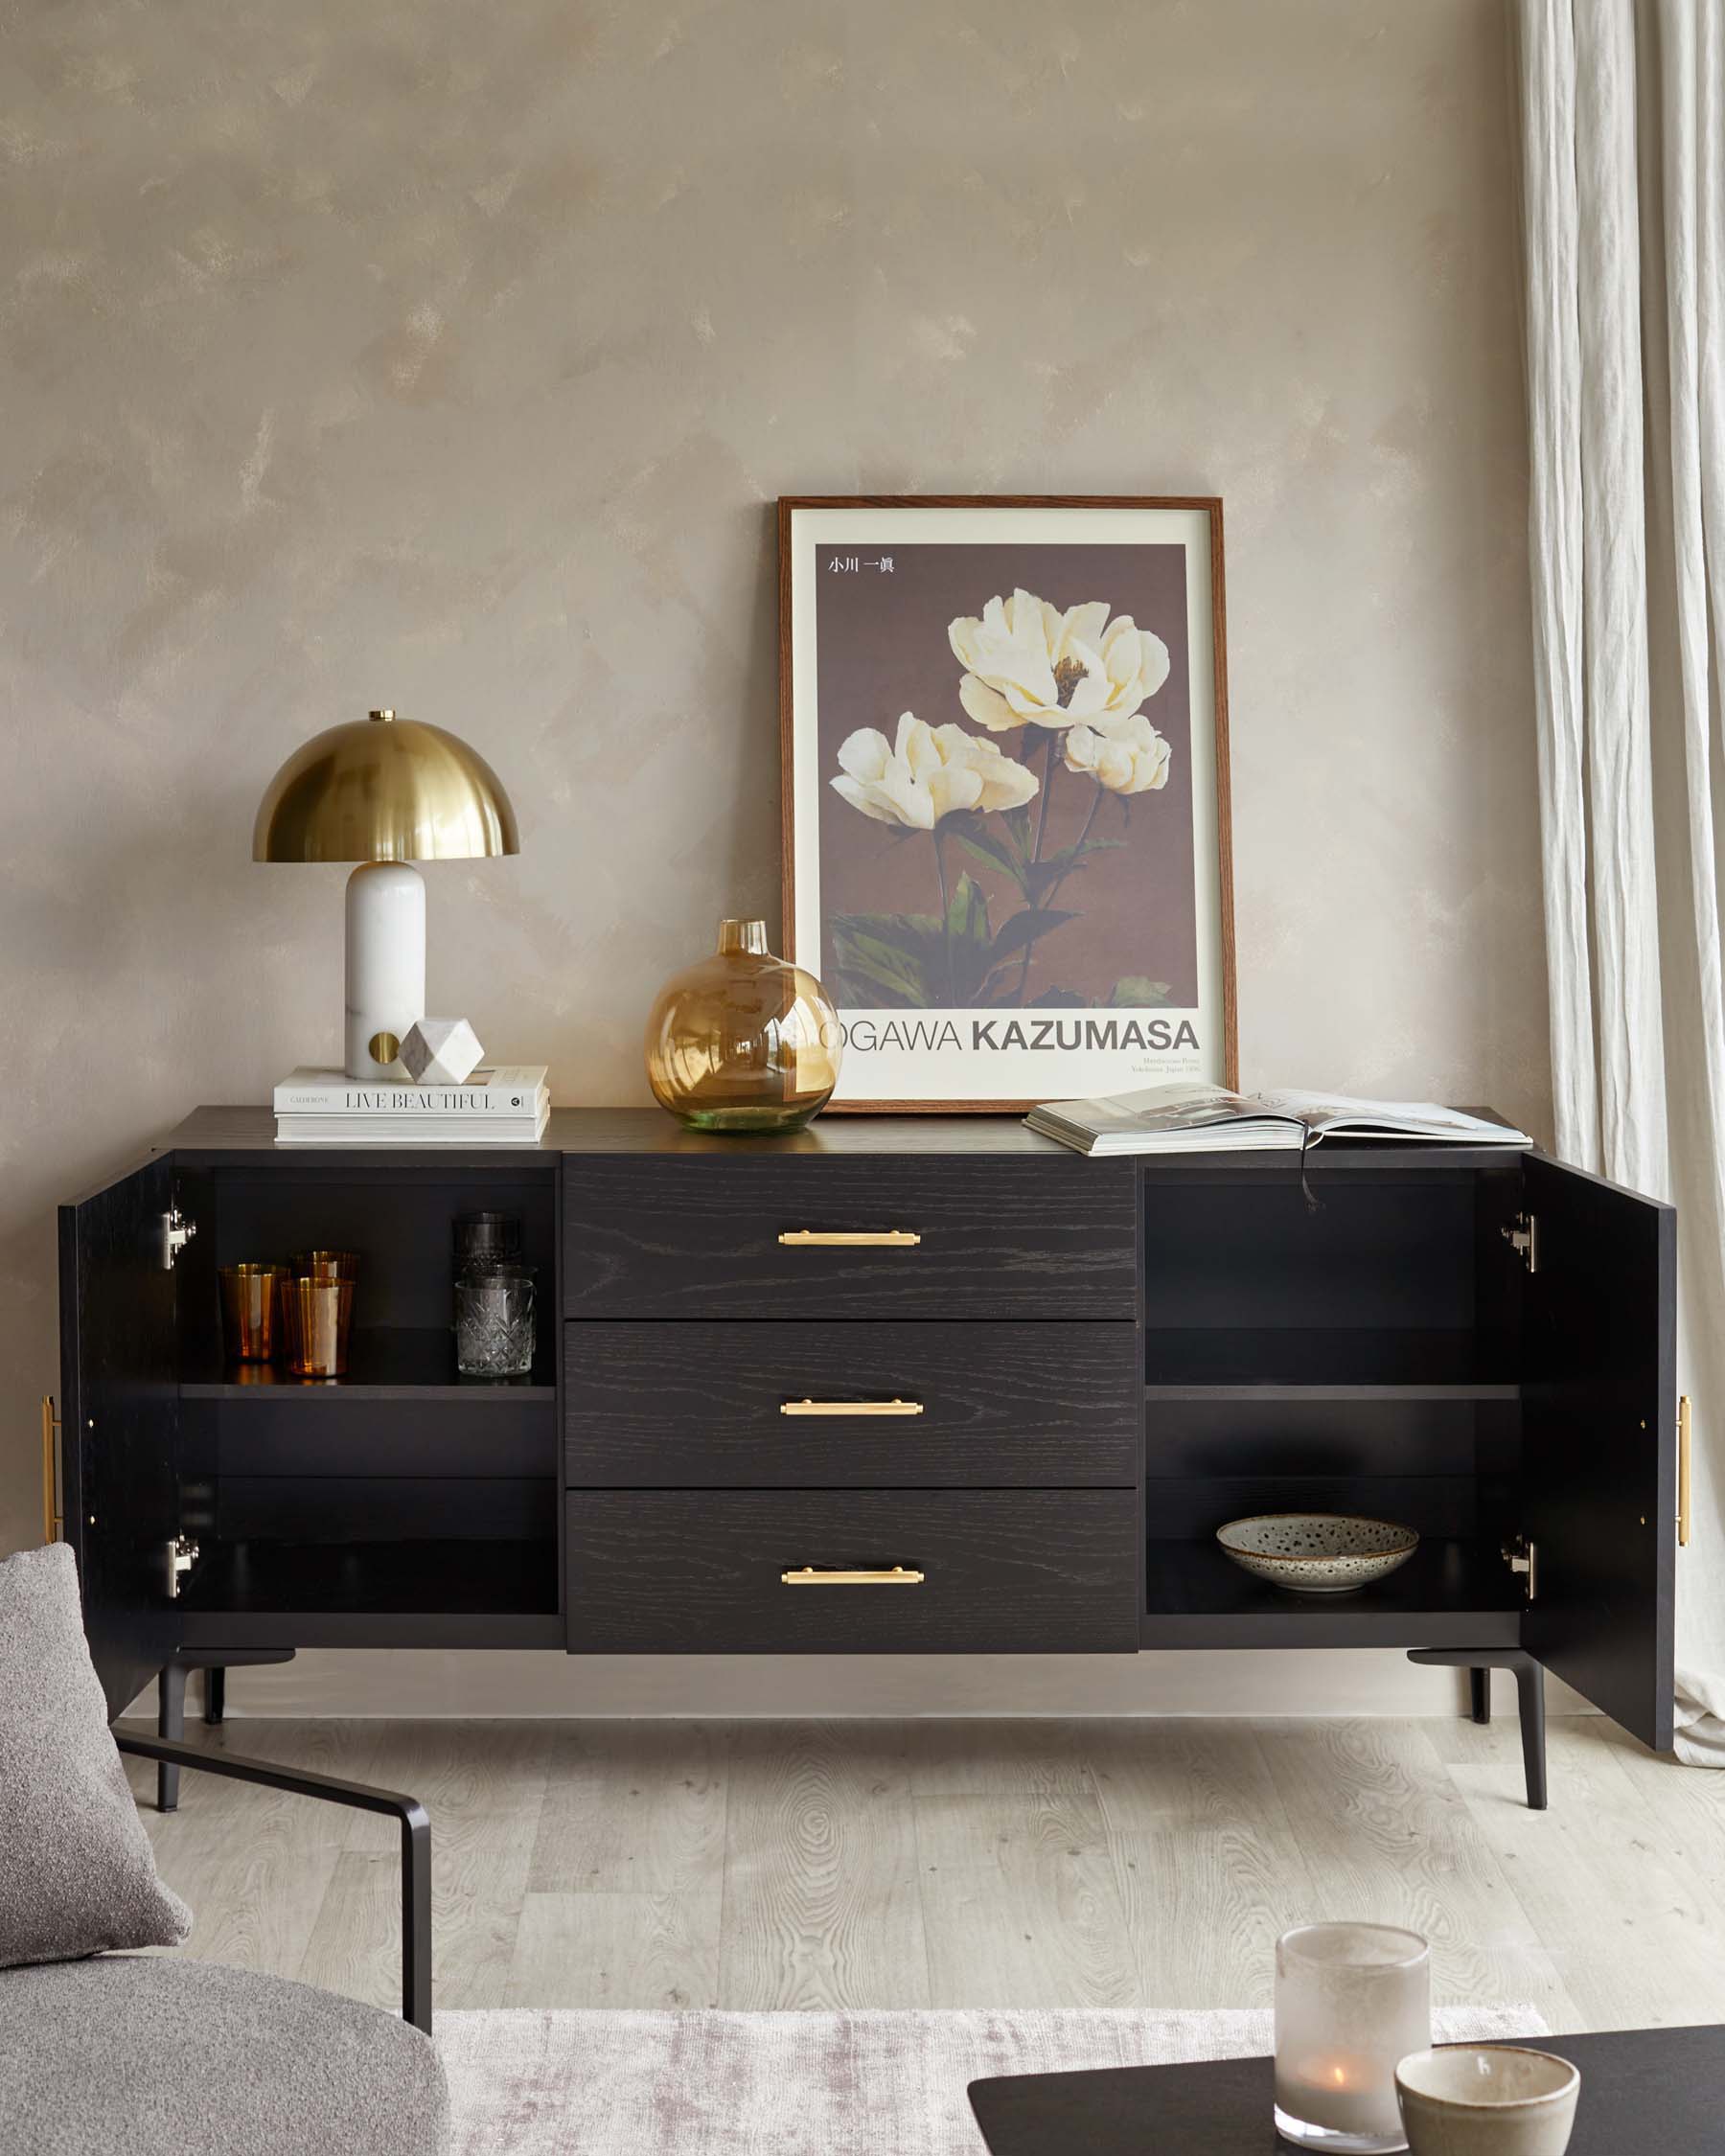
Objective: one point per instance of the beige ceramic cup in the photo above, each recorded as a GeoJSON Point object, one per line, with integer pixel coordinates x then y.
{"type": "Point", "coordinates": [1486, 2099]}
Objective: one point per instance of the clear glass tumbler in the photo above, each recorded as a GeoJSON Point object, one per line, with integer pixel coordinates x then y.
{"type": "Point", "coordinates": [495, 1320]}
{"type": "Point", "coordinates": [1351, 2002]}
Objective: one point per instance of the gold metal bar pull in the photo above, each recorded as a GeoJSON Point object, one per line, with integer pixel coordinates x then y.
{"type": "Point", "coordinates": [898, 1576]}
{"type": "Point", "coordinates": [1683, 1472]}
{"type": "Point", "coordinates": [892, 1406]}
{"type": "Point", "coordinates": [53, 1519]}
{"type": "Point", "coordinates": [822, 1238]}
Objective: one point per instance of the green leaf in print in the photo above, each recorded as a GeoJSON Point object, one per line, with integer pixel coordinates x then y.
{"type": "Point", "coordinates": [1026, 927]}
{"type": "Point", "coordinates": [967, 915]}
{"type": "Point", "coordinates": [1044, 878]}
{"type": "Point", "coordinates": [1134, 993]}
{"type": "Point", "coordinates": [1017, 824]}
{"type": "Point", "coordinates": [884, 959]}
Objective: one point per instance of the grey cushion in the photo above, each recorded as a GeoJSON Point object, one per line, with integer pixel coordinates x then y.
{"type": "Point", "coordinates": [77, 1873]}
{"type": "Point", "coordinates": [153, 2055]}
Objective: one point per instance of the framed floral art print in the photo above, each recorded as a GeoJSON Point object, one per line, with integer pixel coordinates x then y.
{"type": "Point", "coordinates": [1004, 728]}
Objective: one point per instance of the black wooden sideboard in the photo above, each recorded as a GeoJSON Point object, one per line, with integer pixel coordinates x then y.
{"type": "Point", "coordinates": [891, 1386]}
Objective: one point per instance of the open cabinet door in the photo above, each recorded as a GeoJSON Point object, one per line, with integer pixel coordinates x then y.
{"type": "Point", "coordinates": [120, 1393]}
{"type": "Point", "coordinates": [1599, 1444]}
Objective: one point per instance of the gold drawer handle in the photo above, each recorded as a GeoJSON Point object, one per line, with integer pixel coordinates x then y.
{"type": "Point", "coordinates": [1683, 1472]}
{"type": "Point", "coordinates": [52, 1521]}
{"type": "Point", "coordinates": [808, 1576]}
{"type": "Point", "coordinates": [850, 1406]}
{"type": "Point", "coordinates": [888, 1238]}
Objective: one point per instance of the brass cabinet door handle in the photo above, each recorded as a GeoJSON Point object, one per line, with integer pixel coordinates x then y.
{"type": "Point", "coordinates": [1683, 1472]}
{"type": "Point", "coordinates": [53, 1519]}
{"type": "Point", "coordinates": [897, 1575]}
{"type": "Point", "coordinates": [822, 1238]}
{"type": "Point", "coordinates": [893, 1407]}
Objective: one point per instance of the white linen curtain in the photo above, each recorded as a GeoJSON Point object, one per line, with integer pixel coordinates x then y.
{"type": "Point", "coordinates": [1622, 120]}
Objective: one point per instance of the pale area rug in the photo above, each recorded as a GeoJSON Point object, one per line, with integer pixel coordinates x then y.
{"type": "Point", "coordinates": [589, 2082]}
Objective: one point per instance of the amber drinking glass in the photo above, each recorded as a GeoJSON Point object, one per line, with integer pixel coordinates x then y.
{"type": "Point", "coordinates": [317, 1316]}
{"type": "Point", "coordinates": [330, 1264]}
{"type": "Point", "coordinates": [742, 1040]}
{"type": "Point", "coordinates": [249, 1311]}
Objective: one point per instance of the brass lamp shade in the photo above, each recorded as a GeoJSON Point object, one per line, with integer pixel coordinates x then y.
{"type": "Point", "coordinates": [384, 788]}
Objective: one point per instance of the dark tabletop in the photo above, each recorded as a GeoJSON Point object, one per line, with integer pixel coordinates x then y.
{"type": "Point", "coordinates": [650, 1131]}
{"type": "Point", "coordinates": [1658, 2089]}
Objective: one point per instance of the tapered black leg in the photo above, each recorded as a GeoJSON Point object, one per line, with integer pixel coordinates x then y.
{"type": "Point", "coordinates": [1529, 1688]}
{"type": "Point", "coordinates": [170, 1725]}
{"type": "Point", "coordinates": [215, 1694]}
{"type": "Point", "coordinates": [1478, 1694]}
{"type": "Point", "coordinates": [1529, 1692]}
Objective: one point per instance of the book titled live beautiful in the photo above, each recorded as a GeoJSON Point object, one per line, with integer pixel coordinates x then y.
{"type": "Point", "coordinates": [1186, 1118]}
{"type": "Point", "coordinates": [507, 1104]}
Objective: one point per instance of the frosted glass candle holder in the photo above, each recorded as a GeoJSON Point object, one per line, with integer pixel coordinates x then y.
{"type": "Point", "coordinates": [1352, 2000]}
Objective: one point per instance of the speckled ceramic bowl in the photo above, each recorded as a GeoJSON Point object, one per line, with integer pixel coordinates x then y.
{"type": "Point", "coordinates": [1317, 1553]}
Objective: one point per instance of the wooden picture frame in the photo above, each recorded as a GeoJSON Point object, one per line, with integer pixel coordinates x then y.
{"type": "Point", "coordinates": [995, 801]}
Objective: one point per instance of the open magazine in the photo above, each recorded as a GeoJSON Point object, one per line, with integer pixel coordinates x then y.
{"type": "Point", "coordinates": [1187, 1119]}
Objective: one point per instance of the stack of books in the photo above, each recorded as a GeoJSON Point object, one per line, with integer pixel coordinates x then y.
{"type": "Point", "coordinates": [1189, 1118]}
{"type": "Point", "coordinates": [504, 1105]}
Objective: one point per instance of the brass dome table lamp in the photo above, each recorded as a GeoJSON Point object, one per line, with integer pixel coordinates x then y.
{"type": "Point", "coordinates": [385, 792]}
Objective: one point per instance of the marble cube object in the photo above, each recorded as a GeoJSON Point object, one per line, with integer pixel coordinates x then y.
{"type": "Point", "coordinates": [441, 1051]}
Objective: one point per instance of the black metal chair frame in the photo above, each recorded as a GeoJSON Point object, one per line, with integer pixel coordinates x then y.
{"type": "Point", "coordinates": [408, 1811]}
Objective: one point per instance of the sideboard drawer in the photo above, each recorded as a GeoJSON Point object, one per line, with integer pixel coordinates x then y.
{"type": "Point", "coordinates": [920, 1236]}
{"type": "Point", "coordinates": [866, 1406]}
{"type": "Point", "coordinates": [1003, 1571]}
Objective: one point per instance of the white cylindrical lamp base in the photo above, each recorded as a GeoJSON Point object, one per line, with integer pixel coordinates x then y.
{"type": "Point", "coordinates": [385, 965]}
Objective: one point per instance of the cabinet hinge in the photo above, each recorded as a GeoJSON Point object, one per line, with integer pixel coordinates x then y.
{"type": "Point", "coordinates": [1522, 1234]}
{"type": "Point", "coordinates": [177, 1232]}
{"type": "Point", "coordinates": [182, 1555]}
{"type": "Point", "coordinates": [1522, 1556]}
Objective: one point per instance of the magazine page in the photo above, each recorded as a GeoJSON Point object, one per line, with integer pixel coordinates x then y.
{"type": "Point", "coordinates": [1341, 1114]}
{"type": "Point", "coordinates": [1175, 1107]}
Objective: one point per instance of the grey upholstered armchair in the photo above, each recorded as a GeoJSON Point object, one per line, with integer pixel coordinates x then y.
{"type": "Point", "coordinates": [157, 2055]}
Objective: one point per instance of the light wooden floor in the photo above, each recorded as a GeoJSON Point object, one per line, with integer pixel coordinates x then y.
{"type": "Point", "coordinates": [966, 1863]}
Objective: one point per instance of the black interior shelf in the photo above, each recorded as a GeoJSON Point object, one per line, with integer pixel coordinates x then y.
{"type": "Point", "coordinates": [374, 1593]}
{"type": "Point", "coordinates": [384, 1363]}
{"type": "Point", "coordinates": [375, 1576]}
{"type": "Point", "coordinates": [1448, 1594]}
{"type": "Point", "coordinates": [1267, 1362]}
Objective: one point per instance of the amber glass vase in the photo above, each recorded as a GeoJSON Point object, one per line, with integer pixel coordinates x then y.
{"type": "Point", "coordinates": [742, 1040]}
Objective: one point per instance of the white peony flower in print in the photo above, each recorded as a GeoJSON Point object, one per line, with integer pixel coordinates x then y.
{"type": "Point", "coordinates": [927, 774]}
{"type": "Point", "coordinates": [1126, 757]}
{"type": "Point", "coordinates": [1027, 664]}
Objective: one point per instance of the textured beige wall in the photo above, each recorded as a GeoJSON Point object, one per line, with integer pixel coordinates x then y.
{"type": "Point", "coordinates": [451, 356]}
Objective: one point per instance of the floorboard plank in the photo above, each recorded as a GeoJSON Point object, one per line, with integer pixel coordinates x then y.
{"type": "Point", "coordinates": [1631, 1929]}
{"type": "Point", "coordinates": [255, 1864]}
{"type": "Point", "coordinates": [822, 1904]}
{"type": "Point", "coordinates": [1021, 1904]}
{"type": "Point", "coordinates": [484, 1785]}
{"type": "Point", "coordinates": [632, 1807]}
{"type": "Point", "coordinates": [995, 1758]}
{"type": "Point", "coordinates": [1210, 1869]}
{"type": "Point", "coordinates": [619, 1950]}
{"type": "Point", "coordinates": [1388, 1838]}
{"type": "Point", "coordinates": [962, 1863]}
